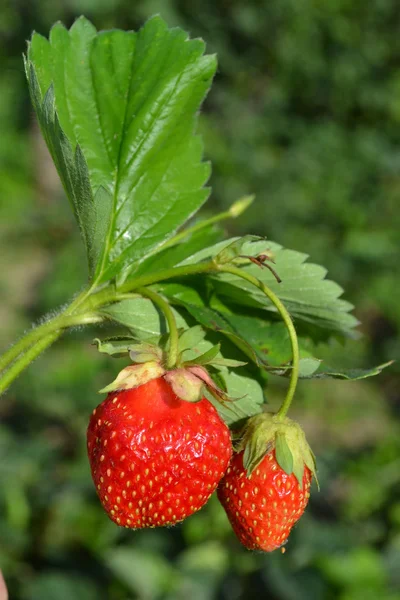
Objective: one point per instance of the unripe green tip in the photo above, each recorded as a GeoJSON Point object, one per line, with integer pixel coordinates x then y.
{"type": "Point", "coordinates": [241, 205]}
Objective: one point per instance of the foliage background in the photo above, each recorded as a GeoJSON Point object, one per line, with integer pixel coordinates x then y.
{"type": "Point", "coordinates": [305, 112]}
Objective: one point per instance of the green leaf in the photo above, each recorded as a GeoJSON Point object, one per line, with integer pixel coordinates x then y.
{"type": "Point", "coordinates": [191, 337]}
{"type": "Point", "coordinates": [130, 100]}
{"type": "Point", "coordinates": [211, 319]}
{"type": "Point", "coordinates": [141, 317]}
{"type": "Point", "coordinates": [283, 454]}
{"type": "Point", "coordinates": [313, 368]}
{"type": "Point", "coordinates": [145, 573]}
{"type": "Point", "coordinates": [268, 339]}
{"type": "Point", "coordinates": [304, 290]}
{"type": "Point", "coordinates": [228, 362]}
{"type": "Point", "coordinates": [325, 372]}
{"type": "Point", "coordinates": [249, 394]}
{"type": "Point", "coordinates": [265, 343]}
{"type": "Point", "coordinates": [308, 366]}
{"type": "Point", "coordinates": [205, 358]}
{"type": "Point", "coordinates": [165, 259]}
{"type": "Point", "coordinates": [104, 206]}
{"type": "Point", "coordinates": [91, 213]}
{"type": "Point", "coordinates": [144, 320]}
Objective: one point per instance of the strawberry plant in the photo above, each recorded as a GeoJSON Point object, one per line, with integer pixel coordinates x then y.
{"type": "Point", "coordinates": [206, 321]}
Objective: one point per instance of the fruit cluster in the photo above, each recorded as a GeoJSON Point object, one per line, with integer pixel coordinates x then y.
{"type": "Point", "coordinates": [157, 458]}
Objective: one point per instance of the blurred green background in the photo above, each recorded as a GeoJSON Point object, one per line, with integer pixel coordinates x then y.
{"type": "Point", "coordinates": [304, 112]}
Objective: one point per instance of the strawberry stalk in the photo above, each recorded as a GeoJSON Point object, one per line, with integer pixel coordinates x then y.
{"type": "Point", "coordinates": [25, 360]}
{"type": "Point", "coordinates": [48, 331]}
{"type": "Point", "coordinates": [282, 310]}
{"type": "Point", "coordinates": [165, 308]}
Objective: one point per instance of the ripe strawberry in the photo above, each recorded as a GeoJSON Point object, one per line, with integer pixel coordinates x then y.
{"type": "Point", "coordinates": [155, 459]}
{"type": "Point", "coordinates": [263, 507]}
{"type": "Point", "coordinates": [266, 487]}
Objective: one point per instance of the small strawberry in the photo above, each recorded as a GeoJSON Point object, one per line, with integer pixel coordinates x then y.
{"type": "Point", "coordinates": [264, 506]}
{"type": "Point", "coordinates": [266, 487]}
{"type": "Point", "coordinates": [155, 458]}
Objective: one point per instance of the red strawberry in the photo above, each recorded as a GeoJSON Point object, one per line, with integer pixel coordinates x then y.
{"type": "Point", "coordinates": [155, 458]}
{"type": "Point", "coordinates": [263, 507]}
{"type": "Point", "coordinates": [266, 487]}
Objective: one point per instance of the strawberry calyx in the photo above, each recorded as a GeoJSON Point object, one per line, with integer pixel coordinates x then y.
{"type": "Point", "coordinates": [266, 432]}
{"type": "Point", "coordinates": [187, 383]}
{"type": "Point", "coordinates": [189, 378]}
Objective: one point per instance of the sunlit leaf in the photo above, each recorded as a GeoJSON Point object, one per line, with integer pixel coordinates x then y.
{"type": "Point", "coordinates": [305, 291]}
{"type": "Point", "coordinates": [130, 101]}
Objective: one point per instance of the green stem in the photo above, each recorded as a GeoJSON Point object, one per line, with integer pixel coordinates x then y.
{"type": "Point", "coordinates": [173, 330]}
{"type": "Point", "coordinates": [290, 327]}
{"type": "Point", "coordinates": [37, 340]}
{"type": "Point", "coordinates": [26, 359]}
{"type": "Point", "coordinates": [33, 344]}
{"type": "Point", "coordinates": [81, 311]}
{"type": "Point", "coordinates": [41, 330]}
{"type": "Point", "coordinates": [106, 296]}
{"type": "Point", "coordinates": [60, 322]}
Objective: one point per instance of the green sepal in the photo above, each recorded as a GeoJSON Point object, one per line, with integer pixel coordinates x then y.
{"type": "Point", "coordinates": [254, 453]}
{"type": "Point", "coordinates": [267, 431]}
{"type": "Point", "coordinates": [206, 358]}
{"type": "Point", "coordinates": [114, 346]}
{"type": "Point", "coordinates": [298, 470]}
{"type": "Point", "coordinates": [283, 453]}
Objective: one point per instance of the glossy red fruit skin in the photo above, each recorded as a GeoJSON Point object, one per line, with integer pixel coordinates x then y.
{"type": "Point", "coordinates": [155, 459]}
{"type": "Point", "coordinates": [263, 508]}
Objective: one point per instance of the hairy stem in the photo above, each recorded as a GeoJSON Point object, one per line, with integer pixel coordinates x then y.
{"type": "Point", "coordinates": [40, 331]}
{"type": "Point", "coordinates": [290, 327]}
{"type": "Point", "coordinates": [60, 322]}
{"type": "Point", "coordinates": [26, 359]}
{"type": "Point", "coordinates": [36, 341]}
{"type": "Point", "coordinates": [169, 315]}
{"type": "Point", "coordinates": [82, 311]}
